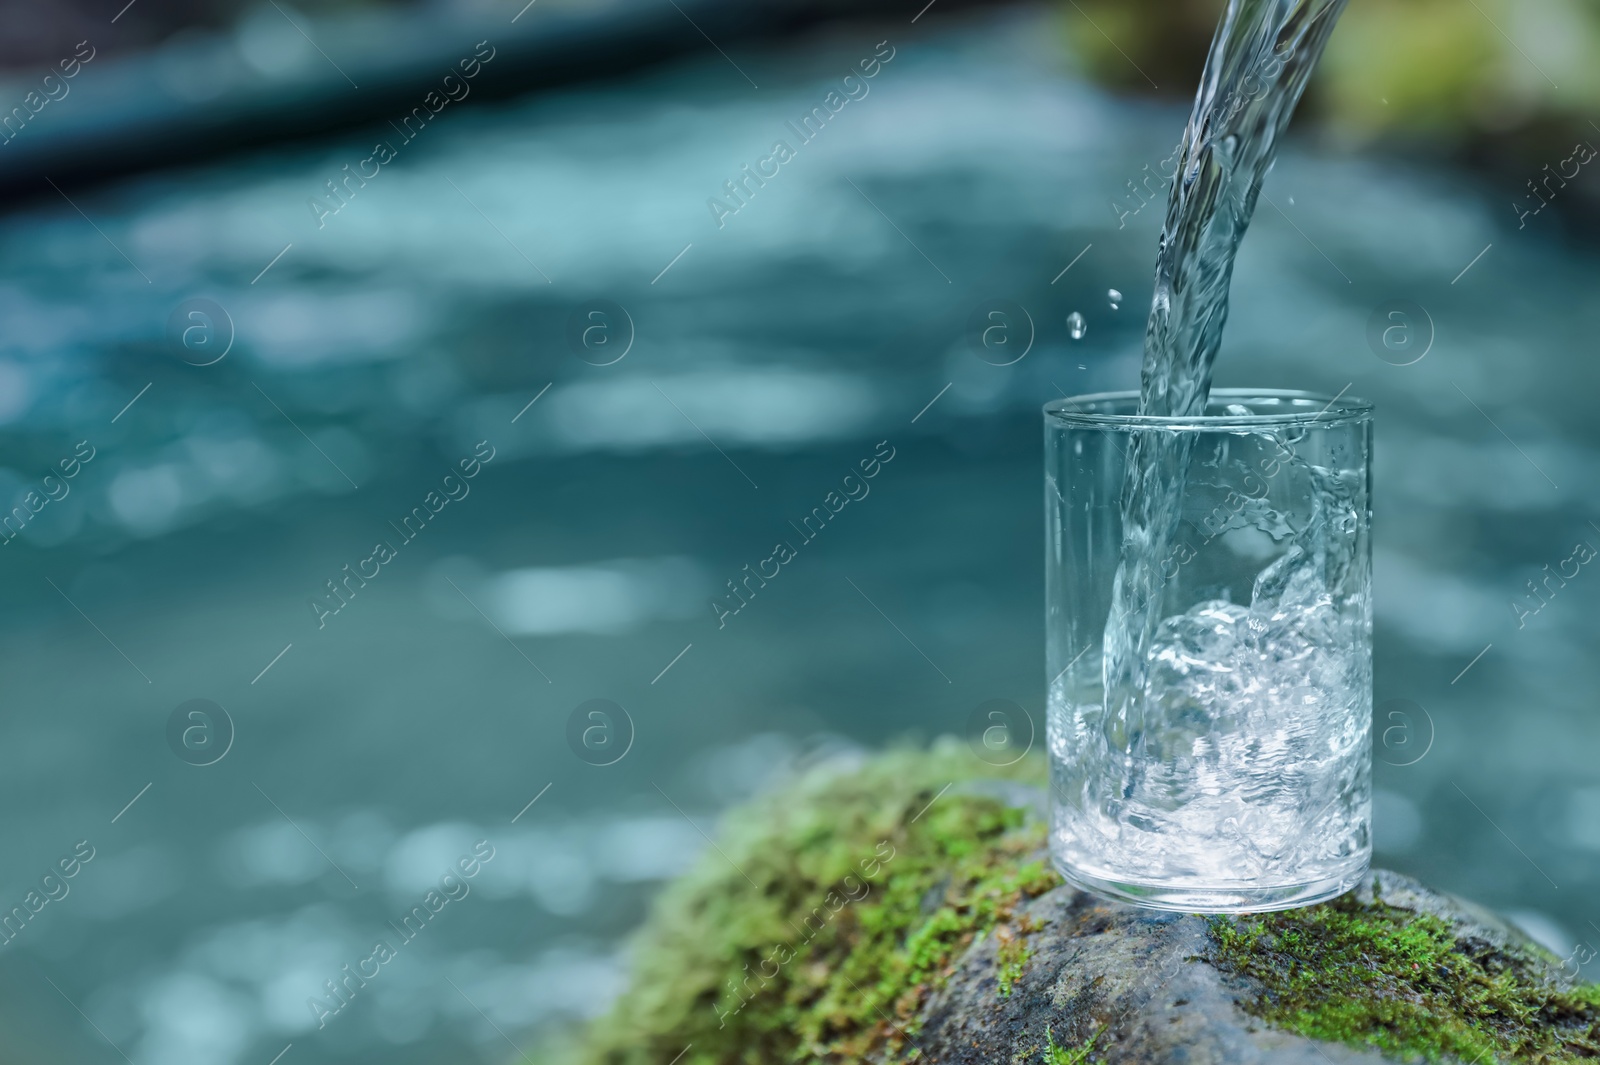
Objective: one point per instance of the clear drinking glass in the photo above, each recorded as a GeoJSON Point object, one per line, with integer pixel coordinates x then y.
{"type": "Point", "coordinates": [1241, 779]}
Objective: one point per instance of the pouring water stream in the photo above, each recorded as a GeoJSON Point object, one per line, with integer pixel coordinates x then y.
{"type": "Point", "coordinates": [1260, 60]}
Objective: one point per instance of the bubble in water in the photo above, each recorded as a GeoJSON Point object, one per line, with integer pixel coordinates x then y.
{"type": "Point", "coordinates": [1237, 410]}
{"type": "Point", "coordinates": [1076, 326]}
{"type": "Point", "coordinates": [1115, 297]}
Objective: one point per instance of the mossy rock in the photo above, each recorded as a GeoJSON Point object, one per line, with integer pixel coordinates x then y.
{"type": "Point", "coordinates": [901, 909]}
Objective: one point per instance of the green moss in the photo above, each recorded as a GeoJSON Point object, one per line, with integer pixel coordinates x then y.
{"type": "Point", "coordinates": [826, 917]}
{"type": "Point", "coordinates": [1055, 1054]}
{"type": "Point", "coordinates": [1375, 975]}
{"type": "Point", "coordinates": [1010, 961]}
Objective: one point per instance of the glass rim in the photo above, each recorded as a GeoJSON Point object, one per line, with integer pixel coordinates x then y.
{"type": "Point", "coordinates": [1074, 412]}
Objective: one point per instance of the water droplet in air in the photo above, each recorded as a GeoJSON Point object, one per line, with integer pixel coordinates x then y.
{"type": "Point", "coordinates": [1076, 326]}
{"type": "Point", "coordinates": [1082, 366]}
{"type": "Point", "coordinates": [1115, 297]}
{"type": "Point", "coordinates": [1291, 201]}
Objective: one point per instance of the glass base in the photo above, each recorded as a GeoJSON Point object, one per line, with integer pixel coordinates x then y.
{"type": "Point", "coordinates": [1183, 898]}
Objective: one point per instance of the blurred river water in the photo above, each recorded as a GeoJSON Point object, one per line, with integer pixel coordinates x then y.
{"type": "Point", "coordinates": [651, 393]}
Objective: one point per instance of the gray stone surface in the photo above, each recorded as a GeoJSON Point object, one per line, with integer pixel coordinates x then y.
{"type": "Point", "coordinates": [1142, 981]}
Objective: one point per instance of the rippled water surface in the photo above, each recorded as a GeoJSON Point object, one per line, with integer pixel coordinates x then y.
{"type": "Point", "coordinates": [824, 324]}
